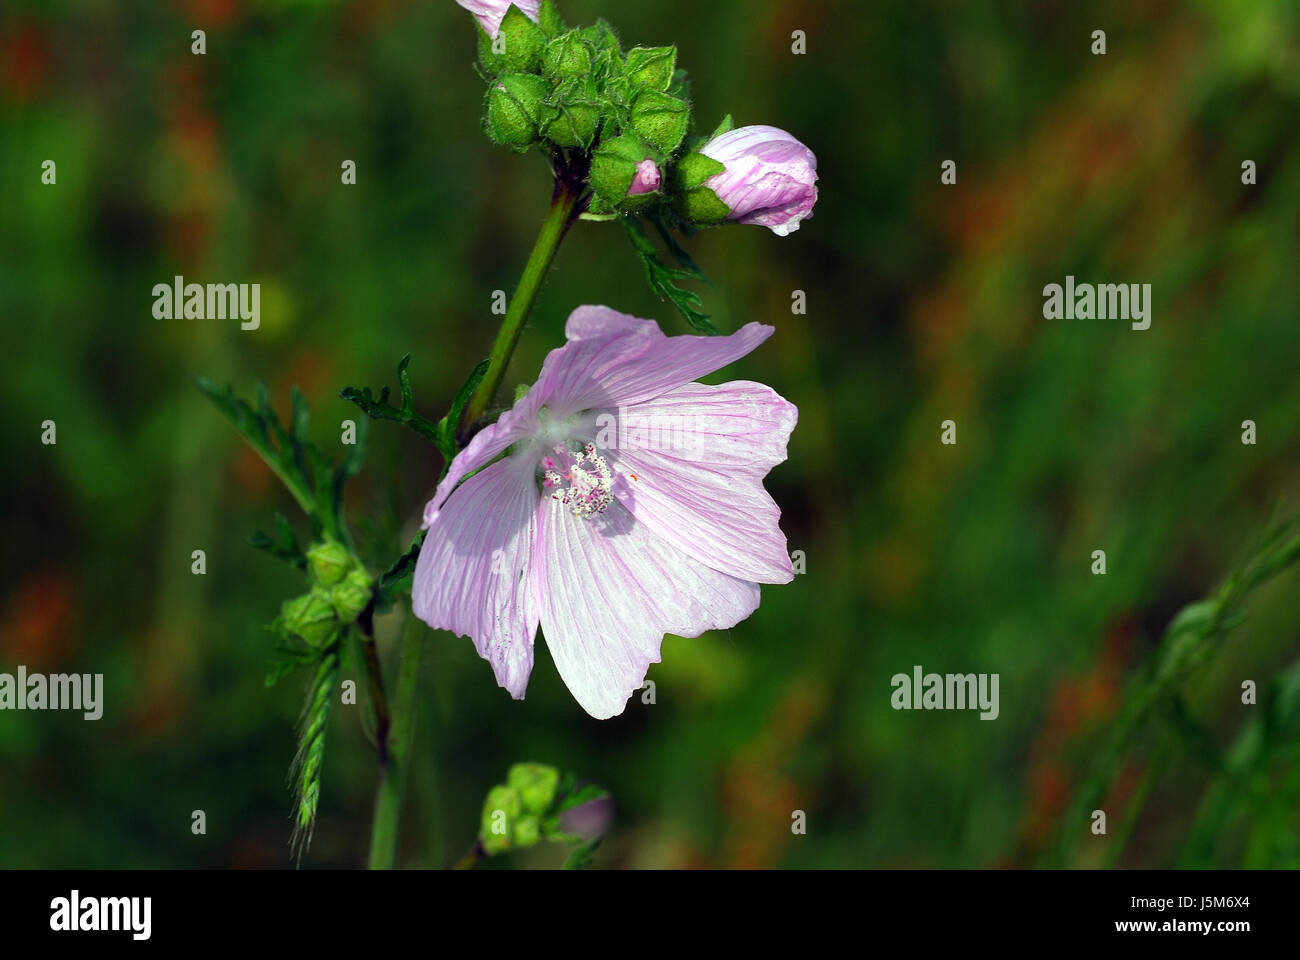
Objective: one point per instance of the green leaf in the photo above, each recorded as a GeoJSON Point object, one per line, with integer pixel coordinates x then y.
{"type": "Point", "coordinates": [386, 588]}
{"type": "Point", "coordinates": [663, 280]}
{"type": "Point", "coordinates": [448, 425]}
{"type": "Point", "coordinates": [302, 468]}
{"type": "Point", "coordinates": [285, 545]}
{"type": "Point", "coordinates": [378, 408]}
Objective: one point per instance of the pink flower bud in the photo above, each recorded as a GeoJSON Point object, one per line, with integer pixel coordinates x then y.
{"type": "Point", "coordinates": [646, 179]}
{"type": "Point", "coordinates": [491, 12]}
{"type": "Point", "coordinates": [770, 180]}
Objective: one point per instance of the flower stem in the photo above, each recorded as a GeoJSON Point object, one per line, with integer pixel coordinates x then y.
{"type": "Point", "coordinates": [565, 208]}
{"type": "Point", "coordinates": [393, 766]}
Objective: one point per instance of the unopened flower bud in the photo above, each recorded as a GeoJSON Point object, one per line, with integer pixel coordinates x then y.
{"type": "Point", "coordinates": [578, 116]}
{"type": "Point", "coordinates": [651, 66]}
{"type": "Point", "coordinates": [310, 617]}
{"type": "Point", "coordinates": [568, 56]}
{"type": "Point", "coordinates": [660, 120]}
{"type": "Point", "coordinates": [501, 810]}
{"type": "Point", "coordinates": [528, 830]}
{"type": "Point", "coordinates": [769, 177]}
{"type": "Point", "coordinates": [614, 168]}
{"type": "Point", "coordinates": [352, 596]}
{"type": "Point", "coordinates": [516, 105]}
{"type": "Point", "coordinates": [646, 179]}
{"type": "Point", "coordinates": [328, 561]}
{"type": "Point", "coordinates": [535, 783]}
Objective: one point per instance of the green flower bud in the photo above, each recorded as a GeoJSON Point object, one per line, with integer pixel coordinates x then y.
{"type": "Point", "coordinates": [651, 67]}
{"type": "Point", "coordinates": [601, 36]}
{"type": "Point", "coordinates": [516, 105]}
{"type": "Point", "coordinates": [613, 167]}
{"type": "Point", "coordinates": [310, 617]}
{"type": "Point", "coordinates": [328, 562]}
{"type": "Point", "coordinates": [694, 201]}
{"type": "Point", "coordinates": [535, 783]}
{"type": "Point", "coordinates": [528, 830]}
{"type": "Point", "coordinates": [578, 117]}
{"type": "Point", "coordinates": [521, 41]}
{"type": "Point", "coordinates": [351, 596]}
{"type": "Point", "coordinates": [501, 810]}
{"type": "Point", "coordinates": [660, 120]}
{"type": "Point", "coordinates": [567, 57]}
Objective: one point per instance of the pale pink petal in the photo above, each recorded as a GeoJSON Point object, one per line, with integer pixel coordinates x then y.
{"type": "Point", "coordinates": [609, 590]}
{"type": "Point", "coordinates": [690, 466]}
{"type": "Point", "coordinates": [632, 362]}
{"type": "Point", "coordinates": [591, 320]}
{"type": "Point", "coordinates": [770, 177]}
{"type": "Point", "coordinates": [516, 424]}
{"type": "Point", "coordinates": [474, 575]}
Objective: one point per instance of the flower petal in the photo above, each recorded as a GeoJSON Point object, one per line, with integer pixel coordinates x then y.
{"type": "Point", "coordinates": [613, 359]}
{"type": "Point", "coordinates": [517, 423]}
{"type": "Point", "coordinates": [609, 590]}
{"type": "Point", "coordinates": [690, 466]}
{"type": "Point", "coordinates": [474, 575]}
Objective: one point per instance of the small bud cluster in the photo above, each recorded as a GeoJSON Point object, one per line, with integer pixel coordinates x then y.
{"type": "Point", "coordinates": [619, 118]}
{"type": "Point", "coordinates": [340, 592]}
{"type": "Point", "coordinates": [515, 812]}
{"type": "Point", "coordinates": [619, 123]}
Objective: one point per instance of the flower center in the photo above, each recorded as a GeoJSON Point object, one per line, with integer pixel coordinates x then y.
{"type": "Point", "coordinates": [582, 482]}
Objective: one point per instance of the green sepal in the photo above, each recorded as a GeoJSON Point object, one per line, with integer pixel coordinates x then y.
{"type": "Point", "coordinates": [568, 56]}
{"type": "Point", "coordinates": [613, 167]}
{"type": "Point", "coordinates": [692, 169]}
{"type": "Point", "coordinates": [516, 107]}
{"type": "Point", "coordinates": [651, 67]}
{"type": "Point", "coordinates": [523, 40]}
{"type": "Point", "coordinates": [702, 207]}
{"type": "Point", "coordinates": [549, 19]}
{"type": "Point", "coordinates": [726, 126]}
{"type": "Point", "coordinates": [660, 120]}
{"type": "Point", "coordinates": [602, 36]}
{"type": "Point", "coordinates": [492, 63]}
{"type": "Point", "coordinates": [578, 103]}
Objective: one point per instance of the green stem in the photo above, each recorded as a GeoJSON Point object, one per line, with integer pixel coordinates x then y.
{"type": "Point", "coordinates": [564, 210]}
{"type": "Point", "coordinates": [393, 766]}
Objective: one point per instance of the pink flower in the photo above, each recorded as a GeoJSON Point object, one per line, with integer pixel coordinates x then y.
{"type": "Point", "coordinates": [646, 179]}
{"type": "Point", "coordinates": [770, 180]}
{"type": "Point", "coordinates": [490, 13]}
{"type": "Point", "coordinates": [629, 503]}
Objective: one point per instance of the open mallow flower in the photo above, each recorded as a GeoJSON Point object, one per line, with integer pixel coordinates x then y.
{"type": "Point", "coordinates": [770, 177]}
{"type": "Point", "coordinates": [490, 13]}
{"type": "Point", "coordinates": [616, 502]}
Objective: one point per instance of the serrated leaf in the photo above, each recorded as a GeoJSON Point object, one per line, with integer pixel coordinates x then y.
{"type": "Point", "coordinates": [662, 280]}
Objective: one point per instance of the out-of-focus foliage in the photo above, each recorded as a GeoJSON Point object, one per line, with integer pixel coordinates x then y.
{"type": "Point", "coordinates": [924, 304]}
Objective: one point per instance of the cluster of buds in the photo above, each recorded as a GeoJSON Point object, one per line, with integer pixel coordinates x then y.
{"type": "Point", "coordinates": [340, 592]}
{"type": "Point", "coordinates": [514, 811]}
{"type": "Point", "coordinates": [622, 120]}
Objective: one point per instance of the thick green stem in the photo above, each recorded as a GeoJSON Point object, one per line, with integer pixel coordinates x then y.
{"type": "Point", "coordinates": [392, 769]}
{"type": "Point", "coordinates": [564, 210]}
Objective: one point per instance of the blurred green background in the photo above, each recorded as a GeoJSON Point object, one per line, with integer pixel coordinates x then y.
{"type": "Point", "coordinates": [924, 304]}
